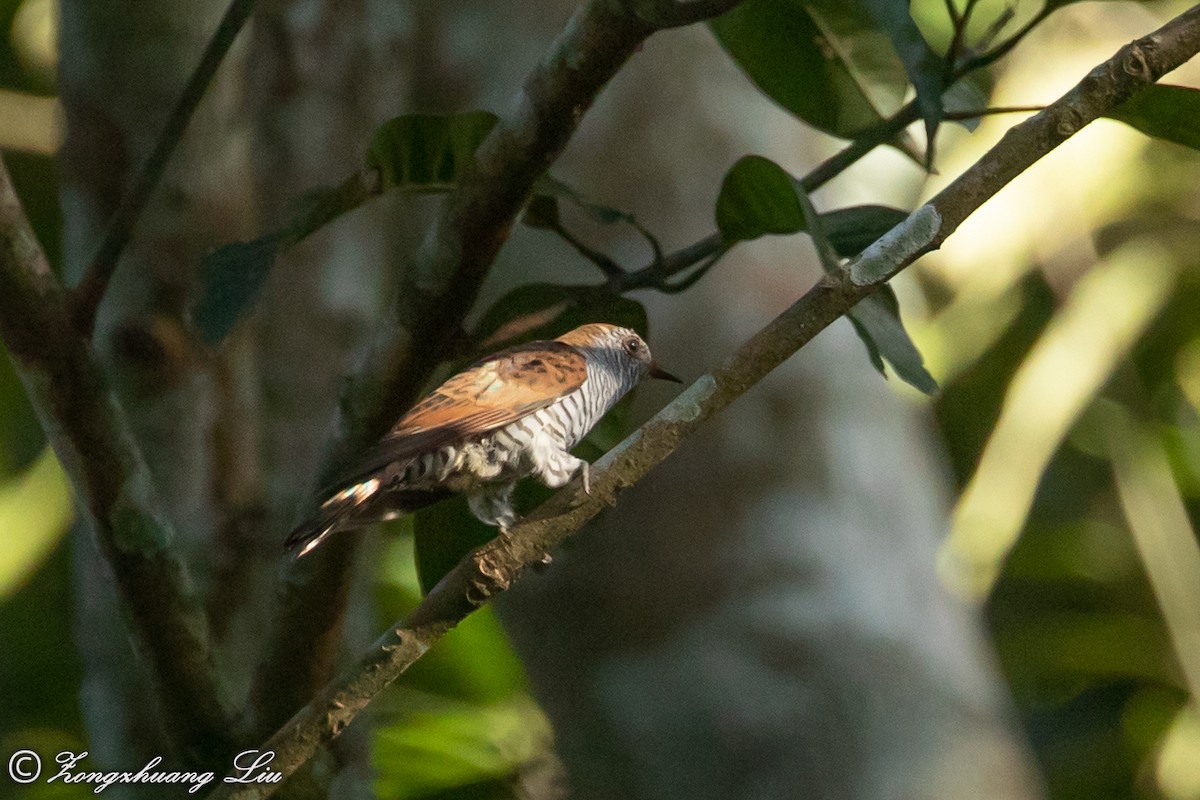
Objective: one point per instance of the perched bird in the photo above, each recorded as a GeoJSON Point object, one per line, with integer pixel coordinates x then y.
{"type": "Point", "coordinates": [511, 415]}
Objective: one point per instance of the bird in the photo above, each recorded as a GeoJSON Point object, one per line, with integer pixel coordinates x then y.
{"type": "Point", "coordinates": [514, 414]}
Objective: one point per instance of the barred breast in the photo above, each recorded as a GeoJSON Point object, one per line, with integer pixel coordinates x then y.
{"type": "Point", "coordinates": [534, 443]}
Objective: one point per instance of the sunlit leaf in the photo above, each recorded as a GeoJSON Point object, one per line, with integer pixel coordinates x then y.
{"type": "Point", "coordinates": [1165, 112]}
{"type": "Point", "coordinates": [36, 510]}
{"type": "Point", "coordinates": [832, 68]}
{"type": "Point", "coordinates": [457, 750]}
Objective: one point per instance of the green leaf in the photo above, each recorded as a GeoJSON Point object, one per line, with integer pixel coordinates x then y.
{"type": "Point", "coordinates": [970, 93]}
{"type": "Point", "coordinates": [759, 197]}
{"type": "Point", "coordinates": [831, 68]}
{"type": "Point", "coordinates": [548, 189]}
{"type": "Point", "coordinates": [232, 277]}
{"type": "Point", "coordinates": [877, 321]}
{"type": "Point", "coordinates": [542, 212]}
{"type": "Point", "coordinates": [923, 66]}
{"type": "Point", "coordinates": [450, 749]}
{"type": "Point", "coordinates": [830, 260]}
{"type": "Point", "coordinates": [1165, 112]}
{"type": "Point", "coordinates": [426, 151]}
{"type": "Point", "coordinates": [851, 230]}
{"type": "Point", "coordinates": [36, 510]}
{"type": "Point", "coordinates": [472, 662]}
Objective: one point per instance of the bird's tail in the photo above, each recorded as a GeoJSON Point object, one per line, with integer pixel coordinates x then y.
{"type": "Point", "coordinates": [336, 513]}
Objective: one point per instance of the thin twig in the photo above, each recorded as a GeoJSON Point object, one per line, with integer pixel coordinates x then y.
{"type": "Point", "coordinates": [86, 297]}
{"type": "Point", "coordinates": [990, 111]}
{"type": "Point", "coordinates": [952, 12]}
{"type": "Point", "coordinates": [958, 40]}
{"type": "Point", "coordinates": [655, 274]}
{"type": "Point", "coordinates": [1003, 49]}
{"type": "Point", "coordinates": [494, 567]}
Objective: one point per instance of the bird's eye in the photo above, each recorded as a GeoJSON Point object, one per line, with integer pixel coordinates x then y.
{"type": "Point", "coordinates": [632, 345]}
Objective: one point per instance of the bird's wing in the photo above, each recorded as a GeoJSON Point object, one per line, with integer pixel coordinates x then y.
{"type": "Point", "coordinates": [488, 395]}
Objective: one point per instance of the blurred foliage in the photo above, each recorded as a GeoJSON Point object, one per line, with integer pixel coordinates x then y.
{"type": "Point", "coordinates": [40, 673]}
{"type": "Point", "coordinates": [1075, 613]}
{"type": "Point", "coordinates": [461, 724]}
{"type": "Point", "coordinates": [1165, 111]}
{"type": "Point", "coordinates": [35, 512]}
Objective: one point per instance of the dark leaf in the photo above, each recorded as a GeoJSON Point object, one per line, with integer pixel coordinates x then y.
{"type": "Point", "coordinates": [876, 319]}
{"type": "Point", "coordinates": [852, 229]}
{"type": "Point", "coordinates": [831, 68]}
{"type": "Point", "coordinates": [831, 262]}
{"type": "Point", "coordinates": [1164, 112]}
{"type": "Point", "coordinates": [968, 94]}
{"type": "Point", "coordinates": [425, 151]}
{"type": "Point", "coordinates": [550, 188]}
{"type": "Point", "coordinates": [877, 322]}
{"type": "Point", "coordinates": [232, 277]}
{"type": "Point", "coordinates": [924, 67]}
{"type": "Point", "coordinates": [542, 212]}
{"type": "Point", "coordinates": [442, 534]}
{"type": "Point", "coordinates": [759, 197]}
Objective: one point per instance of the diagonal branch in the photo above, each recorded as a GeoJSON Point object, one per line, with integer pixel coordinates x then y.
{"type": "Point", "coordinates": [91, 438]}
{"type": "Point", "coordinates": [86, 297]}
{"type": "Point", "coordinates": [437, 292]}
{"type": "Point", "coordinates": [494, 567]}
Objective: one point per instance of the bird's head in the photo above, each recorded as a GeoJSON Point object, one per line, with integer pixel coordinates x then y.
{"type": "Point", "coordinates": [619, 346]}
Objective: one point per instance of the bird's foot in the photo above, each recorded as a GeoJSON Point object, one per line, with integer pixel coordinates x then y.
{"type": "Point", "coordinates": [542, 564]}
{"type": "Point", "coordinates": [507, 524]}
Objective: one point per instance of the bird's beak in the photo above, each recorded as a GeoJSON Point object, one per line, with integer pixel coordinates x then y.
{"type": "Point", "coordinates": [658, 372]}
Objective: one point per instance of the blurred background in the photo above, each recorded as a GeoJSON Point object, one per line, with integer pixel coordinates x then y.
{"type": "Point", "coordinates": [840, 588]}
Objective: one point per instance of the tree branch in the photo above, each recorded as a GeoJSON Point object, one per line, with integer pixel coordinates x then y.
{"type": "Point", "coordinates": [437, 292]}
{"type": "Point", "coordinates": [655, 274]}
{"type": "Point", "coordinates": [90, 436]}
{"type": "Point", "coordinates": [86, 297]}
{"type": "Point", "coordinates": [494, 567]}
